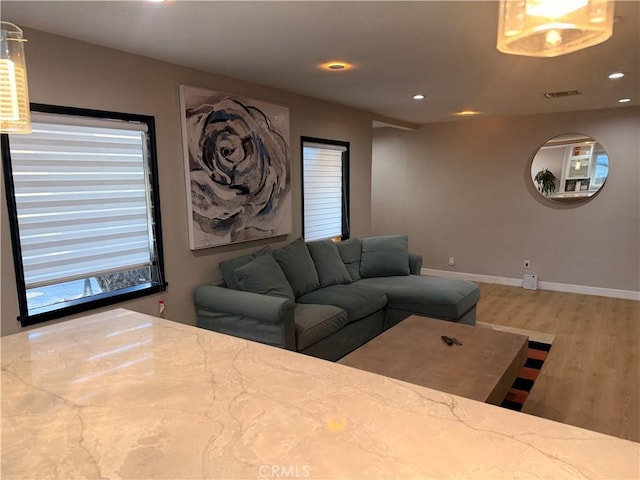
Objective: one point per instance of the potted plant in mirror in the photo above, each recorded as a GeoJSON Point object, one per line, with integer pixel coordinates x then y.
{"type": "Point", "coordinates": [546, 181]}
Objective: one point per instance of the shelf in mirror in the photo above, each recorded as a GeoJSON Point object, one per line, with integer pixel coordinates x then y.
{"type": "Point", "coordinates": [566, 195]}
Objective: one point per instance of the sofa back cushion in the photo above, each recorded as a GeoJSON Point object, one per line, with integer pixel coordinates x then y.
{"type": "Point", "coordinates": [297, 265]}
{"type": "Point", "coordinates": [227, 267]}
{"type": "Point", "coordinates": [328, 263]}
{"type": "Point", "coordinates": [350, 251]}
{"type": "Point", "coordinates": [263, 275]}
{"type": "Point", "coordinates": [385, 256]}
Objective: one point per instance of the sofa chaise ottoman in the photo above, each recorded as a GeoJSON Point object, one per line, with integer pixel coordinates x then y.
{"type": "Point", "coordinates": [326, 298]}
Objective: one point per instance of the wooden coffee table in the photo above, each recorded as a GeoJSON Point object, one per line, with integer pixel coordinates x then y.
{"type": "Point", "coordinates": [482, 368]}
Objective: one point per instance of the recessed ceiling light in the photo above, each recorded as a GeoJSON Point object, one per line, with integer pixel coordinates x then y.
{"type": "Point", "coordinates": [418, 96]}
{"type": "Point", "coordinates": [616, 75]}
{"type": "Point", "coordinates": [336, 66]}
{"type": "Point", "coordinates": [467, 113]}
{"type": "Point", "coordinates": [157, 1]}
{"type": "Point", "coordinates": [624, 100]}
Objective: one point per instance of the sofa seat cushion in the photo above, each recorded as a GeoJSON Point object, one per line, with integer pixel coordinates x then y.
{"type": "Point", "coordinates": [358, 301]}
{"type": "Point", "coordinates": [438, 297]}
{"type": "Point", "coordinates": [316, 322]}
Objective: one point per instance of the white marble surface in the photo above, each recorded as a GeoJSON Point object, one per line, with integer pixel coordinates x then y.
{"type": "Point", "coordinates": [125, 395]}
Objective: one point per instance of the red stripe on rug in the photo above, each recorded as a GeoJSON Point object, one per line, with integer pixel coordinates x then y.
{"type": "Point", "coordinates": [516, 396]}
{"type": "Point", "coordinates": [528, 373]}
{"type": "Point", "coordinates": [537, 354]}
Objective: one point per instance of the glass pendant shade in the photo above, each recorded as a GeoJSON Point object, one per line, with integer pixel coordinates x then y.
{"type": "Point", "coordinates": [14, 96]}
{"type": "Point", "coordinates": [548, 28]}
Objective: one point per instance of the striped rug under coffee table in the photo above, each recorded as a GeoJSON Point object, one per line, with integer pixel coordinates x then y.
{"type": "Point", "coordinates": [521, 387]}
{"type": "Point", "coordinates": [539, 347]}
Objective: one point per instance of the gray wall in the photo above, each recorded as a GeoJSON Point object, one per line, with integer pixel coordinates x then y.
{"type": "Point", "coordinates": [463, 189]}
{"type": "Point", "coordinates": [67, 72]}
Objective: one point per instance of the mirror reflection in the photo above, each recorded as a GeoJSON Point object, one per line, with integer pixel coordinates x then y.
{"type": "Point", "coordinates": [570, 166]}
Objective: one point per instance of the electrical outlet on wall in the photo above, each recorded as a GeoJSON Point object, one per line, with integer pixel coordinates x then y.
{"type": "Point", "coordinates": [527, 264]}
{"type": "Point", "coordinates": [452, 261]}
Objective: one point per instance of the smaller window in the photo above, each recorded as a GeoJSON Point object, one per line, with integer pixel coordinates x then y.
{"type": "Point", "coordinates": [325, 195]}
{"type": "Point", "coordinates": [83, 201]}
{"type": "Point", "coordinates": [601, 171]}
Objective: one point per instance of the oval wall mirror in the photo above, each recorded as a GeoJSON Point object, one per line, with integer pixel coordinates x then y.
{"type": "Point", "coordinates": [569, 167]}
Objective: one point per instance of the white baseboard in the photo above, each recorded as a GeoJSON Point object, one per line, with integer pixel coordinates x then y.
{"type": "Point", "coordinates": [517, 282]}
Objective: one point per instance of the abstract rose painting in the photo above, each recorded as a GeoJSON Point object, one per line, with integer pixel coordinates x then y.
{"type": "Point", "coordinates": [237, 167]}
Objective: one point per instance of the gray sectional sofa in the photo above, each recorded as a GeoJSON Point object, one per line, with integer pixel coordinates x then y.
{"type": "Point", "coordinates": [326, 299]}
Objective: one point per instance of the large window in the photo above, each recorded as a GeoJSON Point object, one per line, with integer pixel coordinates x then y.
{"type": "Point", "coordinates": [82, 193]}
{"type": "Point", "coordinates": [325, 189]}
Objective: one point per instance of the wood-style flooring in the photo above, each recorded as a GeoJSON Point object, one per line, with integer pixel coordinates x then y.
{"type": "Point", "coordinates": [591, 378]}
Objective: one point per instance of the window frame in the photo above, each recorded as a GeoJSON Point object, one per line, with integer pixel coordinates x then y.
{"type": "Point", "coordinates": [98, 300]}
{"type": "Point", "coordinates": [346, 224]}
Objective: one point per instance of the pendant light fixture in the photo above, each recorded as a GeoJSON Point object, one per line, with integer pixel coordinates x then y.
{"type": "Point", "coordinates": [548, 28]}
{"type": "Point", "coordinates": [14, 96]}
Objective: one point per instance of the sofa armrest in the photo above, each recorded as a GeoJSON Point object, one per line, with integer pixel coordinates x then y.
{"type": "Point", "coordinates": [248, 315]}
{"type": "Point", "coordinates": [415, 263]}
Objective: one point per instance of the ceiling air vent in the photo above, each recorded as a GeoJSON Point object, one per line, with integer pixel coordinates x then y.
{"type": "Point", "coordinates": [568, 93]}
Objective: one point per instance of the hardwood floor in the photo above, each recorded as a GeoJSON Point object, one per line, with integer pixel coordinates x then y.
{"type": "Point", "coordinates": [591, 378]}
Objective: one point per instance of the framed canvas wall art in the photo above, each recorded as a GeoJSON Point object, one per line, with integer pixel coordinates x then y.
{"type": "Point", "coordinates": [237, 167]}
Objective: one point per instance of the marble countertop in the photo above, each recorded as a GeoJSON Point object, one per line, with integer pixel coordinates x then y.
{"type": "Point", "coordinates": [126, 395]}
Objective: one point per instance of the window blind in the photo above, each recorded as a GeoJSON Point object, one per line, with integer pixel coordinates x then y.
{"type": "Point", "coordinates": [81, 199]}
{"type": "Point", "coordinates": [322, 183]}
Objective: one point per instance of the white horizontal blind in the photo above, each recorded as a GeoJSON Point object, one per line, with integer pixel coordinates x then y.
{"type": "Point", "coordinates": [81, 198]}
{"type": "Point", "coordinates": [322, 178]}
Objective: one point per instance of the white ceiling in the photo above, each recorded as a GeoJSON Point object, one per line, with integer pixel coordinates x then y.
{"type": "Point", "coordinates": [445, 50]}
